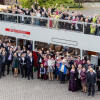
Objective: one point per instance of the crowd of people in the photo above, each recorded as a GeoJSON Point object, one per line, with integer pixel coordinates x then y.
{"type": "Point", "coordinates": [51, 65]}
{"type": "Point", "coordinates": [15, 59]}
{"type": "Point", "coordinates": [74, 20]}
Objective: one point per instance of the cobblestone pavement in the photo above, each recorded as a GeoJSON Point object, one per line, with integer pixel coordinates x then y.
{"type": "Point", "coordinates": [22, 89]}
{"type": "Point", "coordinates": [90, 9]}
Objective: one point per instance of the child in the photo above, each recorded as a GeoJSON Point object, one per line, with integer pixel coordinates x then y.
{"type": "Point", "coordinates": [42, 71]}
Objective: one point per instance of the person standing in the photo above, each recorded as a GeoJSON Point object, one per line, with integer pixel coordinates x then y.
{"type": "Point", "coordinates": [98, 78]}
{"type": "Point", "coordinates": [30, 64]}
{"type": "Point", "coordinates": [15, 65]}
{"type": "Point", "coordinates": [58, 61]}
{"type": "Point", "coordinates": [50, 64]}
{"type": "Point", "coordinates": [73, 80]}
{"type": "Point", "coordinates": [79, 69]}
{"type": "Point", "coordinates": [23, 63]}
{"type": "Point", "coordinates": [63, 71]}
{"type": "Point", "coordinates": [78, 61]}
{"type": "Point", "coordinates": [9, 59]}
{"type": "Point", "coordinates": [83, 79]}
{"type": "Point", "coordinates": [45, 66]}
{"type": "Point", "coordinates": [42, 72]}
{"type": "Point", "coordinates": [88, 64]}
{"type": "Point", "coordinates": [3, 63]}
{"type": "Point", "coordinates": [91, 81]}
{"type": "Point", "coordinates": [39, 62]}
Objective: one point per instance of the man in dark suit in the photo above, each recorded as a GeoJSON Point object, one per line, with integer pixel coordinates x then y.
{"type": "Point", "coordinates": [8, 47]}
{"type": "Point", "coordinates": [91, 81]}
{"type": "Point", "coordinates": [89, 64]}
{"type": "Point", "coordinates": [23, 63]}
{"type": "Point", "coordinates": [4, 57]}
{"type": "Point", "coordinates": [9, 59]}
{"type": "Point", "coordinates": [30, 64]}
{"type": "Point", "coordinates": [39, 62]}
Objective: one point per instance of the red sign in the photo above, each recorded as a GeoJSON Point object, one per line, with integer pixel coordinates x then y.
{"type": "Point", "coordinates": [17, 31]}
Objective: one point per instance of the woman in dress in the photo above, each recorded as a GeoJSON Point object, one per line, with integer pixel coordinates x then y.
{"type": "Point", "coordinates": [73, 80]}
{"type": "Point", "coordinates": [50, 64]}
{"type": "Point", "coordinates": [45, 66]}
{"type": "Point", "coordinates": [83, 79]}
{"type": "Point", "coordinates": [15, 65]}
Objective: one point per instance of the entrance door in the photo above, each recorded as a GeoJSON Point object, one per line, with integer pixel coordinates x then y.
{"type": "Point", "coordinates": [1, 1]}
{"type": "Point", "coordinates": [26, 43]}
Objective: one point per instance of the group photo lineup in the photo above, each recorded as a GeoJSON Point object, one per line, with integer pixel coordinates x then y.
{"type": "Point", "coordinates": [49, 49]}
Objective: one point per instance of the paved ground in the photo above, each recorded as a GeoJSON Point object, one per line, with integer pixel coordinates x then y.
{"type": "Point", "coordinates": [90, 9]}
{"type": "Point", "coordinates": [21, 89]}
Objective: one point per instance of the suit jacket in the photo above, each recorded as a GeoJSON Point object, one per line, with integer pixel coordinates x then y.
{"type": "Point", "coordinates": [23, 63]}
{"type": "Point", "coordinates": [7, 49]}
{"type": "Point", "coordinates": [91, 79]}
{"type": "Point", "coordinates": [65, 69]}
{"type": "Point", "coordinates": [30, 63]}
{"type": "Point", "coordinates": [87, 29]}
{"type": "Point", "coordinates": [8, 54]}
{"type": "Point", "coordinates": [1, 45]}
{"type": "Point", "coordinates": [39, 59]}
{"type": "Point", "coordinates": [98, 74]}
{"type": "Point", "coordinates": [86, 66]}
{"type": "Point", "coordinates": [1, 60]}
{"type": "Point", "coordinates": [4, 58]}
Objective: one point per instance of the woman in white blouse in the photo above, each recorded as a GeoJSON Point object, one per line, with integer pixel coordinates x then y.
{"type": "Point", "coordinates": [50, 64]}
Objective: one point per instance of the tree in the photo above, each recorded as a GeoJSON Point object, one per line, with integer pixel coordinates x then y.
{"type": "Point", "coordinates": [26, 3]}
{"type": "Point", "coordinates": [48, 3]}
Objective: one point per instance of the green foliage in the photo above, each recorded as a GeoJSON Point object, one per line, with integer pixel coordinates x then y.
{"type": "Point", "coordinates": [26, 3]}
{"type": "Point", "coordinates": [57, 3]}
{"type": "Point", "coordinates": [50, 3]}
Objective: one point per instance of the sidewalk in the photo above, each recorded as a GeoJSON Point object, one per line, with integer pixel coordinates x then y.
{"type": "Point", "coordinates": [90, 9]}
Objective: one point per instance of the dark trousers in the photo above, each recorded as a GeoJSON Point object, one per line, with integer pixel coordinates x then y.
{"type": "Point", "coordinates": [62, 77]}
{"type": "Point", "coordinates": [8, 66]}
{"type": "Point", "coordinates": [38, 73]}
{"type": "Point", "coordinates": [42, 76]}
{"type": "Point", "coordinates": [0, 71]}
{"type": "Point", "coordinates": [30, 72]}
{"type": "Point", "coordinates": [91, 89]}
{"type": "Point", "coordinates": [3, 69]}
{"type": "Point", "coordinates": [79, 84]}
{"type": "Point", "coordinates": [23, 71]}
{"type": "Point", "coordinates": [13, 71]}
{"type": "Point", "coordinates": [98, 83]}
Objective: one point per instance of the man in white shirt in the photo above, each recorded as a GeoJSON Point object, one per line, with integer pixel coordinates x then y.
{"type": "Point", "coordinates": [63, 71]}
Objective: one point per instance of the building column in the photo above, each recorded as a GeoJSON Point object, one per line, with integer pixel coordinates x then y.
{"type": "Point", "coordinates": [81, 54]}
{"type": "Point", "coordinates": [33, 44]}
{"type": "Point", "coordinates": [16, 42]}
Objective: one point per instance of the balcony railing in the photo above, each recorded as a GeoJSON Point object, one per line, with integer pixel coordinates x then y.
{"type": "Point", "coordinates": [80, 27]}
